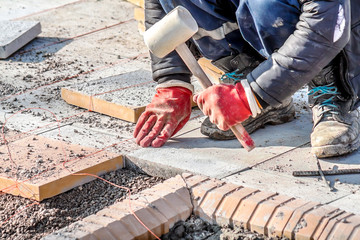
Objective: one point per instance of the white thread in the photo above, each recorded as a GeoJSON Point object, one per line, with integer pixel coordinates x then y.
{"type": "Point", "coordinates": [340, 24]}
{"type": "Point", "coordinates": [254, 107]}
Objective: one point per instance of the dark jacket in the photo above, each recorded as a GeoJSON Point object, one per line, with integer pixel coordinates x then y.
{"type": "Point", "coordinates": [290, 68]}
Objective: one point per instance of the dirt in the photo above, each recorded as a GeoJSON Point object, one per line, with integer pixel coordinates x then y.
{"type": "Point", "coordinates": [196, 229]}
{"type": "Point", "coordinates": [52, 214]}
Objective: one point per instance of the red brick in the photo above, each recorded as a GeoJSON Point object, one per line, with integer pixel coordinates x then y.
{"type": "Point", "coordinates": [200, 191]}
{"type": "Point", "coordinates": [180, 205]}
{"type": "Point", "coordinates": [294, 221]}
{"type": "Point", "coordinates": [150, 221]}
{"type": "Point", "coordinates": [313, 221]}
{"type": "Point", "coordinates": [247, 208]}
{"type": "Point", "coordinates": [324, 222]}
{"type": "Point", "coordinates": [264, 212]}
{"type": "Point", "coordinates": [227, 207]}
{"type": "Point", "coordinates": [281, 216]}
{"type": "Point", "coordinates": [356, 234]}
{"type": "Point", "coordinates": [331, 225]}
{"type": "Point", "coordinates": [116, 228]}
{"type": "Point", "coordinates": [210, 204]}
{"type": "Point", "coordinates": [97, 230]}
{"type": "Point", "coordinates": [187, 175]}
{"type": "Point", "coordinates": [195, 180]}
{"type": "Point", "coordinates": [345, 228]}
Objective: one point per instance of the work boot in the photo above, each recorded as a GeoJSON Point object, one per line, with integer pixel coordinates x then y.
{"type": "Point", "coordinates": [336, 128]}
{"type": "Point", "coordinates": [243, 64]}
{"type": "Point", "coordinates": [271, 115]}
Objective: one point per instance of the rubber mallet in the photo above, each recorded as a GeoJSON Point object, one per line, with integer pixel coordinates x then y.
{"type": "Point", "coordinates": [171, 33]}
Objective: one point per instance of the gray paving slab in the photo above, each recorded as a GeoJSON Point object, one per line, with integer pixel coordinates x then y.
{"type": "Point", "coordinates": [348, 203]}
{"type": "Point", "coordinates": [18, 8]}
{"type": "Point", "coordinates": [308, 189]}
{"type": "Point", "coordinates": [191, 151]}
{"type": "Point", "coordinates": [15, 34]}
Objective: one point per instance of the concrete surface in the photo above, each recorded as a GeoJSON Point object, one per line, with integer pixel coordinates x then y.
{"type": "Point", "coordinates": [15, 34]}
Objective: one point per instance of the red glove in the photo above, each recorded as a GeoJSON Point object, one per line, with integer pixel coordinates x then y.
{"type": "Point", "coordinates": [167, 113]}
{"type": "Point", "coordinates": [226, 105]}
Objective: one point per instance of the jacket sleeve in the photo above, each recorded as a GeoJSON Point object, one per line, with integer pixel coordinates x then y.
{"type": "Point", "coordinates": [171, 67]}
{"type": "Point", "coordinates": [310, 48]}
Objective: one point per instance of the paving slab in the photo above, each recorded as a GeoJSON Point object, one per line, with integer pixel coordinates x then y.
{"type": "Point", "coordinates": [191, 151]}
{"type": "Point", "coordinates": [17, 8]}
{"type": "Point", "coordinates": [15, 34]}
{"type": "Point", "coordinates": [36, 167]}
{"type": "Point", "coordinates": [123, 96]}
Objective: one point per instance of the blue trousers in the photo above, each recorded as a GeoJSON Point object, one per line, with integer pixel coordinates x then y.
{"type": "Point", "coordinates": [227, 26]}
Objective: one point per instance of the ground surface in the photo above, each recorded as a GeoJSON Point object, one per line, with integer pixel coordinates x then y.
{"type": "Point", "coordinates": [52, 214]}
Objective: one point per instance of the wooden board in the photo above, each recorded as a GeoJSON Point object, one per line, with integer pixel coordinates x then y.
{"type": "Point", "coordinates": [139, 3]}
{"type": "Point", "coordinates": [36, 169]}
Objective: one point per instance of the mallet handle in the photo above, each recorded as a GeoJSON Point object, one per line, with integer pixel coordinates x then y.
{"type": "Point", "coordinates": [190, 61]}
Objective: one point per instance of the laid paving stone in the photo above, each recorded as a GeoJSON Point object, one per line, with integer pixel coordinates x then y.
{"type": "Point", "coordinates": [277, 223]}
{"type": "Point", "coordinates": [225, 212]}
{"type": "Point", "coordinates": [295, 222]}
{"type": "Point", "coordinates": [248, 206]}
{"type": "Point", "coordinates": [123, 96]}
{"type": "Point", "coordinates": [265, 211]}
{"type": "Point", "coordinates": [16, 34]}
{"type": "Point", "coordinates": [191, 151]}
{"type": "Point", "coordinates": [41, 167]}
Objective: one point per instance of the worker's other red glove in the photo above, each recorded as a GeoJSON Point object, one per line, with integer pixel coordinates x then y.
{"type": "Point", "coordinates": [226, 105]}
{"type": "Point", "coordinates": [167, 113]}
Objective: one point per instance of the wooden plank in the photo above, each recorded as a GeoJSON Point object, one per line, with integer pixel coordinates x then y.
{"type": "Point", "coordinates": [139, 15]}
{"type": "Point", "coordinates": [41, 168]}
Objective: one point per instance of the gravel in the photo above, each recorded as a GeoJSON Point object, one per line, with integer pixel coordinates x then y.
{"type": "Point", "coordinates": [196, 229]}
{"type": "Point", "coordinates": [52, 214]}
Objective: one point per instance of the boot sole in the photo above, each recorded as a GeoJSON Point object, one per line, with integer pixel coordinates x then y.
{"type": "Point", "coordinates": [336, 150]}
{"type": "Point", "coordinates": [276, 117]}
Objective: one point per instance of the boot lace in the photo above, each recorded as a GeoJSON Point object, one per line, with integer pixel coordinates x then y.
{"type": "Point", "coordinates": [235, 76]}
{"type": "Point", "coordinates": [327, 104]}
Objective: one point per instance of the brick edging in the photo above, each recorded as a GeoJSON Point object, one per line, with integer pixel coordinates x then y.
{"type": "Point", "coordinates": [217, 202]}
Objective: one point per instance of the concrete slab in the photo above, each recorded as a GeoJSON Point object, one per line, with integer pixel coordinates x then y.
{"type": "Point", "coordinates": [349, 203]}
{"type": "Point", "coordinates": [36, 167]}
{"type": "Point", "coordinates": [190, 151]}
{"type": "Point", "coordinates": [123, 96]}
{"type": "Point", "coordinates": [307, 189]}
{"type": "Point", "coordinates": [15, 34]}
{"type": "Point", "coordinates": [17, 8]}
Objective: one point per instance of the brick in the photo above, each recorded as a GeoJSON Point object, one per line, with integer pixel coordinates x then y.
{"type": "Point", "coordinates": [186, 175]}
{"type": "Point", "coordinates": [311, 221]}
{"type": "Point", "coordinates": [15, 34]}
{"type": "Point", "coordinates": [115, 227]}
{"type": "Point", "coordinates": [281, 216]}
{"type": "Point", "coordinates": [298, 214]}
{"type": "Point", "coordinates": [97, 230]}
{"type": "Point", "coordinates": [180, 205]}
{"type": "Point", "coordinates": [147, 217]}
{"type": "Point", "coordinates": [356, 234]}
{"type": "Point", "coordinates": [324, 222]}
{"type": "Point", "coordinates": [213, 199]}
{"type": "Point", "coordinates": [264, 212]}
{"type": "Point", "coordinates": [247, 208]}
{"type": "Point", "coordinates": [135, 228]}
{"type": "Point", "coordinates": [199, 192]}
{"type": "Point", "coordinates": [345, 228]}
{"type": "Point", "coordinates": [224, 213]}
{"type": "Point", "coordinates": [195, 180]}
{"type": "Point", "coordinates": [331, 224]}
{"type": "Point", "coordinates": [72, 232]}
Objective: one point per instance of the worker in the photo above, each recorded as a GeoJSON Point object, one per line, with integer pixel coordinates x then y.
{"type": "Point", "coordinates": [268, 50]}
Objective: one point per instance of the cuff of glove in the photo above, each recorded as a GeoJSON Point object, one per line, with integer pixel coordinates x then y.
{"type": "Point", "coordinates": [254, 104]}
{"type": "Point", "coordinates": [176, 83]}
